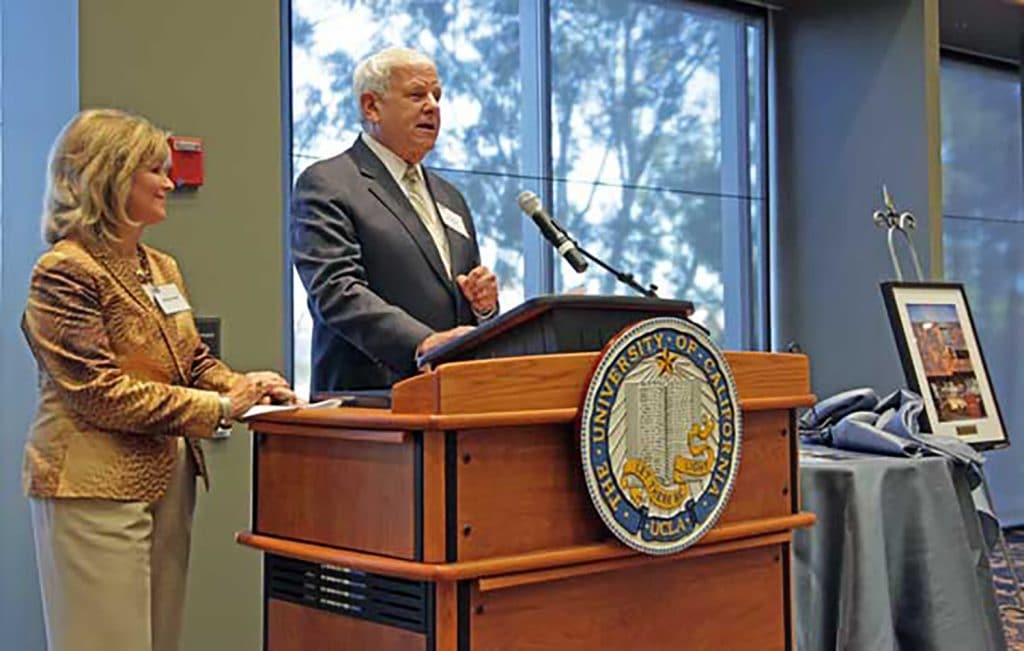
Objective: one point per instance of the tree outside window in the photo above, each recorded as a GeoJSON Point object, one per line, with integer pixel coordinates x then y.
{"type": "Point", "coordinates": [654, 159]}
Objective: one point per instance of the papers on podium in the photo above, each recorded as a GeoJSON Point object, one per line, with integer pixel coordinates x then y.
{"type": "Point", "coordinates": [259, 410]}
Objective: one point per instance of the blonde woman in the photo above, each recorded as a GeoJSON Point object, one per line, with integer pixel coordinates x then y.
{"type": "Point", "coordinates": [127, 392]}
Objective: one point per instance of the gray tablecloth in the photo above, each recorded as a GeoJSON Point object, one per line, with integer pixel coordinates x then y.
{"type": "Point", "coordinates": [896, 559]}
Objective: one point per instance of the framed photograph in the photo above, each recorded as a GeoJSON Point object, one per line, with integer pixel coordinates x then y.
{"type": "Point", "coordinates": [943, 362]}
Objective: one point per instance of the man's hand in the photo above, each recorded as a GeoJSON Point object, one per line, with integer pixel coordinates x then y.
{"type": "Point", "coordinates": [441, 338]}
{"type": "Point", "coordinates": [480, 287]}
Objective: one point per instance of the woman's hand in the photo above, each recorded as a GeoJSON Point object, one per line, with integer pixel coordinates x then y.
{"type": "Point", "coordinates": [281, 396]}
{"type": "Point", "coordinates": [267, 379]}
{"type": "Point", "coordinates": [244, 393]}
{"type": "Point", "coordinates": [274, 387]}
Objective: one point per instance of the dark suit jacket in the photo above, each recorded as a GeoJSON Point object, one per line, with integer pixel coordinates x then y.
{"type": "Point", "coordinates": [375, 281]}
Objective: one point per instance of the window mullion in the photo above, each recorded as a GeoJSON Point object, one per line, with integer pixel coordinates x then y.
{"type": "Point", "coordinates": [735, 182]}
{"type": "Point", "coordinates": [535, 149]}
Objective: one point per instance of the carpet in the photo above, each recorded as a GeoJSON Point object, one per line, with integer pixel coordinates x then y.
{"type": "Point", "coordinates": [1009, 603]}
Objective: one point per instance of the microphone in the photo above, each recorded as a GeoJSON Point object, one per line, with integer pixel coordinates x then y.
{"type": "Point", "coordinates": [530, 204]}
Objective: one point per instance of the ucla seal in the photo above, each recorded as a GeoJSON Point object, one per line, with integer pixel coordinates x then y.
{"type": "Point", "coordinates": [660, 433]}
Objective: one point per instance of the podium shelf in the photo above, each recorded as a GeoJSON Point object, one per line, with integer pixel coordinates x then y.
{"type": "Point", "coordinates": [755, 533]}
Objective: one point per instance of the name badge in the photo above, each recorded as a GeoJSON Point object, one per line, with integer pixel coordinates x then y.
{"type": "Point", "coordinates": [453, 220]}
{"type": "Point", "coordinates": [169, 298]}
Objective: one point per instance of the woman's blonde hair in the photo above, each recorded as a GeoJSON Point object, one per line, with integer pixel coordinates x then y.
{"type": "Point", "coordinates": [90, 173]}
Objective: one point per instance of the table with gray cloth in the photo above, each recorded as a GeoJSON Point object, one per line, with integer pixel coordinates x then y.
{"type": "Point", "coordinates": [896, 559]}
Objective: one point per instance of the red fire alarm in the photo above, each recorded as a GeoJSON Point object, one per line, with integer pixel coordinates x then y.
{"type": "Point", "coordinates": [186, 161]}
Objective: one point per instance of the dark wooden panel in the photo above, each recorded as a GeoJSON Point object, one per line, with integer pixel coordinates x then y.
{"type": "Point", "coordinates": [556, 381]}
{"type": "Point", "coordinates": [416, 395]}
{"type": "Point", "coordinates": [291, 627]}
{"type": "Point", "coordinates": [607, 551]}
{"type": "Point", "coordinates": [514, 383]}
{"type": "Point", "coordinates": [728, 601]}
{"type": "Point", "coordinates": [433, 497]}
{"type": "Point", "coordinates": [762, 488]}
{"type": "Point", "coordinates": [342, 493]}
{"type": "Point", "coordinates": [522, 489]}
{"type": "Point", "coordinates": [446, 620]}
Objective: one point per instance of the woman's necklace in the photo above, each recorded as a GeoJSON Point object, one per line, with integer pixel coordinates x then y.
{"type": "Point", "coordinates": [143, 273]}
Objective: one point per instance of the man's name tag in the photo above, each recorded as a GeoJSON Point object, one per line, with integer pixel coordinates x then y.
{"type": "Point", "coordinates": [453, 220]}
{"type": "Point", "coordinates": [169, 298]}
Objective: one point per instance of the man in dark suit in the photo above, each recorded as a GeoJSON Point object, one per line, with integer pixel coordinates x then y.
{"type": "Point", "coordinates": [387, 250]}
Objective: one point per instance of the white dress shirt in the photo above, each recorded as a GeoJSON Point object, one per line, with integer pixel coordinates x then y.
{"type": "Point", "coordinates": [397, 168]}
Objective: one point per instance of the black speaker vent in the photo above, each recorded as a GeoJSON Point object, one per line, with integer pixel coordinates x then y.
{"type": "Point", "coordinates": [374, 597]}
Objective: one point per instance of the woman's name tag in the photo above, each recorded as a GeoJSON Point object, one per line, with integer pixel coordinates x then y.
{"type": "Point", "coordinates": [169, 298]}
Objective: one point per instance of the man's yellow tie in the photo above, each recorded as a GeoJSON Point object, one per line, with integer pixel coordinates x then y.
{"type": "Point", "coordinates": [420, 200]}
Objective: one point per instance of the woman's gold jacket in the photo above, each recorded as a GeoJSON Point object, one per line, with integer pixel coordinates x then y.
{"type": "Point", "coordinates": [119, 380]}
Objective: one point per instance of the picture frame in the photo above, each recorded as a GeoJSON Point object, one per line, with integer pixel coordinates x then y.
{"type": "Point", "coordinates": [943, 361]}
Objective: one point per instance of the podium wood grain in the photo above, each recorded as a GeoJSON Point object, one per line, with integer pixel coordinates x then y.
{"type": "Point", "coordinates": [552, 381]}
{"type": "Point", "coordinates": [472, 483]}
{"type": "Point", "coordinates": [712, 603]}
{"type": "Point", "coordinates": [521, 490]}
{"type": "Point", "coordinates": [752, 533]}
{"type": "Point", "coordinates": [291, 627]}
{"type": "Point", "coordinates": [333, 491]}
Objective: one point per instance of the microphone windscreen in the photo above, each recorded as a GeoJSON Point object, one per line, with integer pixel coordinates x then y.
{"type": "Point", "coordinates": [529, 202]}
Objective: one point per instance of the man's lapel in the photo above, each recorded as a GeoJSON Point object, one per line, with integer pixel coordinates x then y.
{"type": "Point", "coordinates": [458, 245]}
{"type": "Point", "coordinates": [383, 186]}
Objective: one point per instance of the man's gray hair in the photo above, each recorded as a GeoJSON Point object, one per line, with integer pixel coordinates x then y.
{"type": "Point", "coordinates": [373, 74]}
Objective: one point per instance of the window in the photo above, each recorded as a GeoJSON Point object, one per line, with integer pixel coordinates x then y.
{"type": "Point", "coordinates": [983, 211]}
{"type": "Point", "coordinates": [640, 124]}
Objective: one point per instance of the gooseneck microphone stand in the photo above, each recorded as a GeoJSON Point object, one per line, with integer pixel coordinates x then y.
{"type": "Point", "coordinates": [622, 276]}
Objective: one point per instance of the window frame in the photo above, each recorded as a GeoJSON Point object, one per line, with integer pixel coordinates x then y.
{"type": "Point", "coordinates": [749, 308]}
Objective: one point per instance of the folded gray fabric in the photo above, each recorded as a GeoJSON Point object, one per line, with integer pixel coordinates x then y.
{"type": "Point", "coordinates": [863, 431]}
{"type": "Point", "coordinates": [990, 527]}
{"type": "Point", "coordinates": [834, 408]}
{"type": "Point", "coordinates": [857, 420]}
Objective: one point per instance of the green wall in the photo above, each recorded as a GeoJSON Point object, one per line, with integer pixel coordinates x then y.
{"type": "Point", "coordinates": [211, 70]}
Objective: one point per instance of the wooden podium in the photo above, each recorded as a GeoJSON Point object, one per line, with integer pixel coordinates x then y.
{"type": "Point", "coordinates": [459, 519]}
